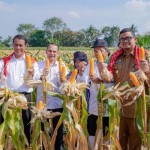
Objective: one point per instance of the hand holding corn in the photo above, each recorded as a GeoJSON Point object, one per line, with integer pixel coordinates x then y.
{"type": "Point", "coordinates": [29, 73]}
{"type": "Point", "coordinates": [82, 66]}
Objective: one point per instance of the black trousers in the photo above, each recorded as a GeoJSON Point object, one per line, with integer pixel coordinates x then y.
{"type": "Point", "coordinates": [92, 124]}
{"type": "Point", "coordinates": [1, 117]}
{"type": "Point", "coordinates": [59, 137]}
{"type": "Point", "coordinates": [26, 117]}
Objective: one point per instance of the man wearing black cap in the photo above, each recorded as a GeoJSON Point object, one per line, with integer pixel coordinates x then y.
{"type": "Point", "coordinates": [94, 82]}
{"type": "Point", "coordinates": [100, 44]}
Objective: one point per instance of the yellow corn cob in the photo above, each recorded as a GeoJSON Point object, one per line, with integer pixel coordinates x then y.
{"type": "Point", "coordinates": [47, 64]}
{"type": "Point", "coordinates": [40, 105]}
{"type": "Point", "coordinates": [142, 53]}
{"type": "Point", "coordinates": [28, 61]}
{"type": "Point", "coordinates": [100, 56]}
{"type": "Point", "coordinates": [134, 79]}
{"type": "Point", "coordinates": [64, 73]}
{"type": "Point", "coordinates": [73, 76]}
{"type": "Point", "coordinates": [91, 71]}
{"type": "Point", "coordinates": [60, 64]}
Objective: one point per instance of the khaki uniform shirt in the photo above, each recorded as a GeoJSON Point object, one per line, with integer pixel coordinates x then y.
{"type": "Point", "coordinates": [123, 65]}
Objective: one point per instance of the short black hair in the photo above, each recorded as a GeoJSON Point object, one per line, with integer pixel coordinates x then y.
{"type": "Point", "coordinates": [127, 30]}
{"type": "Point", "coordinates": [79, 55]}
{"type": "Point", "coordinates": [53, 44]}
{"type": "Point", "coordinates": [21, 37]}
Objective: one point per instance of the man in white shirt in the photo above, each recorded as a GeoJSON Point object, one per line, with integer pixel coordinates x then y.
{"type": "Point", "coordinates": [53, 75]}
{"type": "Point", "coordinates": [13, 68]}
{"type": "Point", "coordinates": [94, 82]}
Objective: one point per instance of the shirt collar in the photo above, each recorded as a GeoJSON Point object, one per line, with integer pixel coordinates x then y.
{"type": "Point", "coordinates": [55, 64]}
{"type": "Point", "coordinates": [132, 53]}
{"type": "Point", "coordinates": [22, 58]}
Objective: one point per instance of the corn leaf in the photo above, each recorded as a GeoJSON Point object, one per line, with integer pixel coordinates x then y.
{"type": "Point", "coordinates": [84, 117]}
{"type": "Point", "coordinates": [36, 133]}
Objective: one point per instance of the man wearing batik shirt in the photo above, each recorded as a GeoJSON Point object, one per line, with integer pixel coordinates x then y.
{"type": "Point", "coordinates": [123, 61]}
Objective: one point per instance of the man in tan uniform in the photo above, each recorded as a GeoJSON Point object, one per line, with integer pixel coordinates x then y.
{"type": "Point", "coordinates": [122, 62]}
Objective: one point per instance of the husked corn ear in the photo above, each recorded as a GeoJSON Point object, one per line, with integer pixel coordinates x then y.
{"type": "Point", "coordinates": [134, 79]}
{"type": "Point", "coordinates": [100, 56]}
{"type": "Point", "coordinates": [73, 76]}
{"type": "Point", "coordinates": [60, 64]}
{"type": "Point", "coordinates": [91, 71]}
{"type": "Point", "coordinates": [47, 64]}
{"type": "Point", "coordinates": [142, 53]}
{"type": "Point", "coordinates": [64, 72]}
{"type": "Point", "coordinates": [28, 61]}
{"type": "Point", "coordinates": [40, 105]}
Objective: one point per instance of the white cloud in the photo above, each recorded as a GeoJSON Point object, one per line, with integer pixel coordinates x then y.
{"type": "Point", "coordinates": [4, 7]}
{"type": "Point", "coordinates": [139, 5]}
{"type": "Point", "coordinates": [74, 14]}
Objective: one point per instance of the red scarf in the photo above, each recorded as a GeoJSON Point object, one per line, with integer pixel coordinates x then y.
{"type": "Point", "coordinates": [118, 53]}
{"type": "Point", "coordinates": [8, 58]}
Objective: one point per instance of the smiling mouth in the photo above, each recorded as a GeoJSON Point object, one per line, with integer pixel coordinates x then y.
{"type": "Point", "coordinates": [17, 51]}
{"type": "Point", "coordinates": [51, 56]}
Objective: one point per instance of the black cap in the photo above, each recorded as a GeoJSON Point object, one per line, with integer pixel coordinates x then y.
{"type": "Point", "coordinates": [80, 56]}
{"type": "Point", "coordinates": [99, 42]}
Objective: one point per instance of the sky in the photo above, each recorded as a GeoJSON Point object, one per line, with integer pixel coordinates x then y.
{"type": "Point", "coordinates": [77, 14]}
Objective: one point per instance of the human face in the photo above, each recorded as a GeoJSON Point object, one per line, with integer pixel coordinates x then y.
{"type": "Point", "coordinates": [80, 65]}
{"type": "Point", "coordinates": [103, 51]}
{"type": "Point", "coordinates": [127, 42]}
{"type": "Point", "coordinates": [19, 47]}
{"type": "Point", "coordinates": [76, 63]}
{"type": "Point", "coordinates": [52, 52]}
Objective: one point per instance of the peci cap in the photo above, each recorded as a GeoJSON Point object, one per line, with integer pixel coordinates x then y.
{"type": "Point", "coordinates": [78, 55]}
{"type": "Point", "coordinates": [99, 42]}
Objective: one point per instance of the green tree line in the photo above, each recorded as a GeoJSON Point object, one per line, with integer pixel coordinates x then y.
{"type": "Point", "coordinates": [55, 30]}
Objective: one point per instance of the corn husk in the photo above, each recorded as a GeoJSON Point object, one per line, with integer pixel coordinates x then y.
{"type": "Point", "coordinates": [42, 113]}
{"type": "Point", "coordinates": [32, 83]}
{"type": "Point", "coordinates": [72, 89]}
{"type": "Point", "coordinates": [16, 100]}
{"type": "Point", "coordinates": [36, 83]}
{"type": "Point", "coordinates": [2, 92]}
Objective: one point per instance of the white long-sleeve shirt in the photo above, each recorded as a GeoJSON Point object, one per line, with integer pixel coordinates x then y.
{"type": "Point", "coordinates": [93, 103]}
{"type": "Point", "coordinates": [16, 69]}
{"type": "Point", "coordinates": [53, 76]}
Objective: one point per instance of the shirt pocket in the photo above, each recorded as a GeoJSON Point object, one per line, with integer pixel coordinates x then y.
{"type": "Point", "coordinates": [117, 71]}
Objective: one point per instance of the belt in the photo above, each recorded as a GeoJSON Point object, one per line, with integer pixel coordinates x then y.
{"type": "Point", "coordinates": [24, 93]}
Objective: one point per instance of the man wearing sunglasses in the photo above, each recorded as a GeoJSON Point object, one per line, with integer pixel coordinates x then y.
{"type": "Point", "coordinates": [123, 61]}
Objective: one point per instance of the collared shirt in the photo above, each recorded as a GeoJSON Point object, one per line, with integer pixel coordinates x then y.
{"type": "Point", "coordinates": [93, 102]}
{"type": "Point", "coordinates": [16, 70]}
{"type": "Point", "coordinates": [53, 76]}
{"type": "Point", "coordinates": [123, 65]}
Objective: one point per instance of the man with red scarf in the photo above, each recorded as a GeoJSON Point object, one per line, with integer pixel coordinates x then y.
{"type": "Point", "coordinates": [123, 61]}
{"type": "Point", "coordinates": [13, 69]}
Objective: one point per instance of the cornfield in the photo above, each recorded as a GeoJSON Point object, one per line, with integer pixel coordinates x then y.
{"type": "Point", "coordinates": [74, 115]}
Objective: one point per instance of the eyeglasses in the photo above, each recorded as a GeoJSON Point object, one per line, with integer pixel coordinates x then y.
{"type": "Point", "coordinates": [126, 39]}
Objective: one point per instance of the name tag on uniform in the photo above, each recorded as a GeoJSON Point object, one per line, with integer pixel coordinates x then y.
{"type": "Point", "coordinates": [118, 62]}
